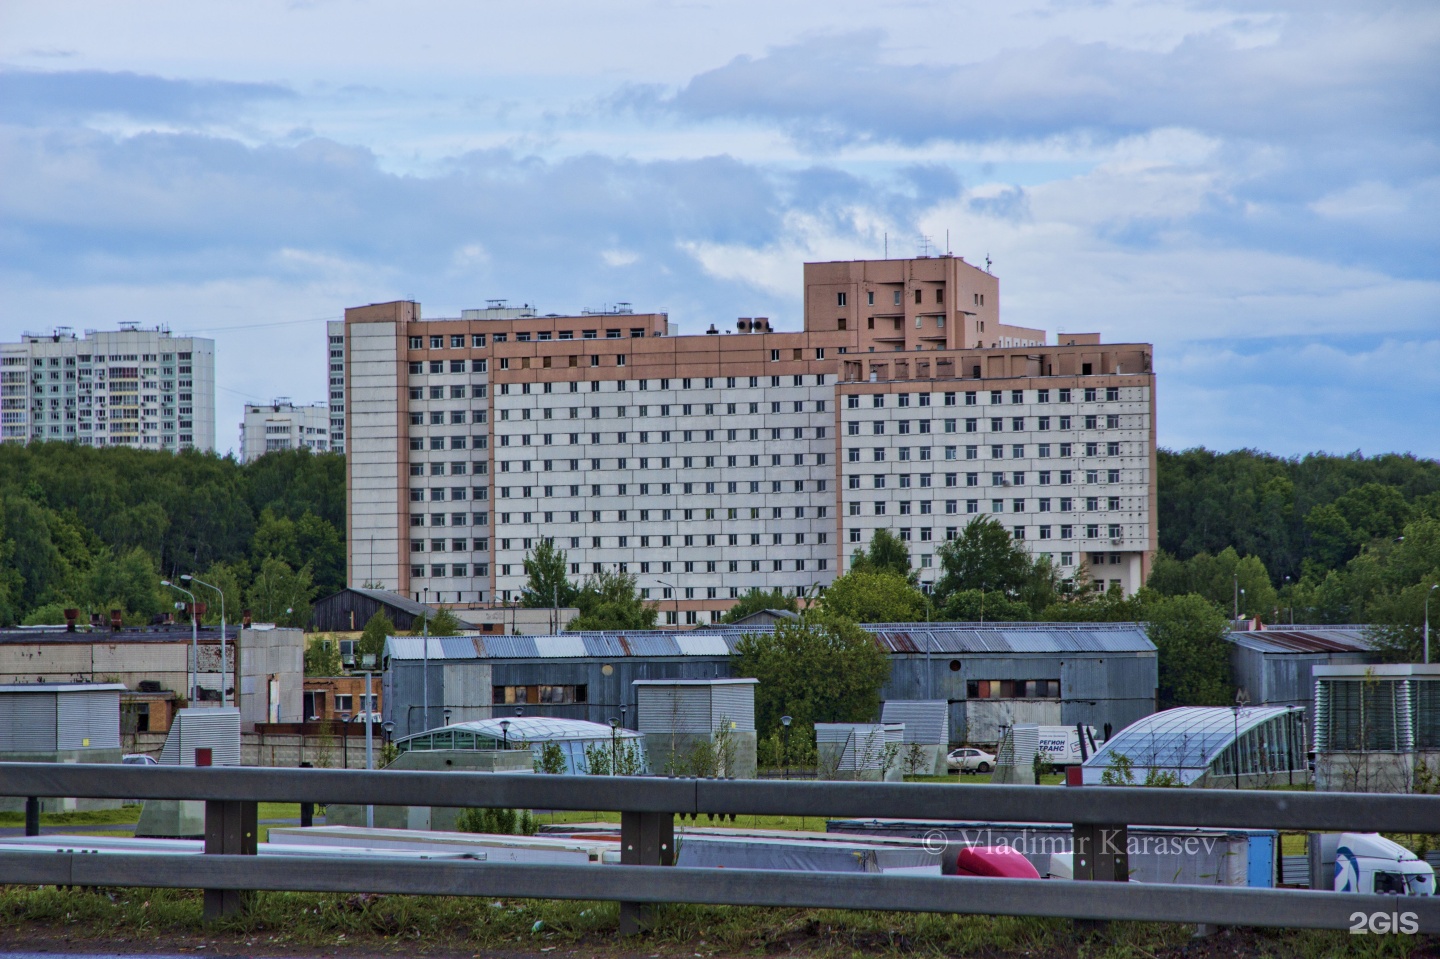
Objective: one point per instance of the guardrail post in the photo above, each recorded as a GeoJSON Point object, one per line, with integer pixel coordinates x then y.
{"type": "Point", "coordinates": [231, 828]}
{"type": "Point", "coordinates": [32, 816]}
{"type": "Point", "coordinates": [307, 809]}
{"type": "Point", "coordinates": [646, 839]}
{"type": "Point", "coordinates": [1100, 852]}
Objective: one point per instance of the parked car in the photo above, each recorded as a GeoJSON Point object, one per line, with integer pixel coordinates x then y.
{"type": "Point", "coordinates": [967, 759]}
{"type": "Point", "coordinates": [139, 759]}
{"type": "Point", "coordinates": [360, 718]}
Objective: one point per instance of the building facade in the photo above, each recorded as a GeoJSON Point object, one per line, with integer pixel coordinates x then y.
{"type": "Point", "coordinates": [130, 387]}
{"type": "Point", "coordinates": [709, 464]}
{"type": "Point", "coordinates": [282, 425]}
{"type": "Point", "coordinates": [335, 377]}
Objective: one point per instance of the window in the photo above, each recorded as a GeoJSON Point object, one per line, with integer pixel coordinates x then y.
{"type": "Point", "coordinates": [1012, 689]}
{"type": "Point", "coordinates": [839, 299]}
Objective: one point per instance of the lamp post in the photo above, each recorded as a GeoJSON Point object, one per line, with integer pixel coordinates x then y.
{"type": "Point", "coordinates": [785, 743]}
{"type": "Point", "coordinates": [194, 644]}
{"type": "Point", "coordinates": [614, 742]}
{"type": "Point", "coordinates": [369, 745]}
{"type": "Point", "coordinates": [1242, 699]}
{"type": "Point", "coordinates": [1427, 620]}
{"type": "Point", "coordinates": [504, 734]}
{"type": "Point", "coordinates": [675, 595]}
{"type": "Point", "coordinates": [224, 664]}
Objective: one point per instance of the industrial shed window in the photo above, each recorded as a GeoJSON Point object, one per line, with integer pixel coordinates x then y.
{"type": "Point", "coordinates": [1426, 713]}
{"type": "Point", "coordinates": [1013, 689]}
{"type": "Point", "coordinates": [542, 695]}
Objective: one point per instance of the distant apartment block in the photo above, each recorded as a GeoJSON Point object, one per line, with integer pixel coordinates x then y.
{"type": "Point", "coordinates": [335, 351]}
{"type": "Point", "coordinates": [709, 464]}
{"type": "Point", "coordinates": [129, 387]}
{"type": "Point", "coordinates": [282, 425]}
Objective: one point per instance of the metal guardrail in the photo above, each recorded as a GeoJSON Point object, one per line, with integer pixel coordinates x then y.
{"type": "Point", "coordinates": [648, 807]}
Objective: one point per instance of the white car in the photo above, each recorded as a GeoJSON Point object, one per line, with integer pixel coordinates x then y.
{"type": "Point", "coordinates": [139, 759]}
{"type": "Point", "coordinates": [969, 760]}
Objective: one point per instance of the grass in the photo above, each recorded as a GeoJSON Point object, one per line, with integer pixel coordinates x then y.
{"type": "Point", "coordinates": [89, 817]}
{"type": "Point", "coordinates": [413, 925]}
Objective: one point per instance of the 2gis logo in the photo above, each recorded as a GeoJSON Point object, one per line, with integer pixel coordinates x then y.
{"type": "Point", "coordinates": [1383, 923]}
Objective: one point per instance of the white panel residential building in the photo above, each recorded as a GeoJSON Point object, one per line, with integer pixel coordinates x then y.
{"type": "Point", "coordinates": [282, 425]}
{"type": "Point", "coordinates": [130, 387]}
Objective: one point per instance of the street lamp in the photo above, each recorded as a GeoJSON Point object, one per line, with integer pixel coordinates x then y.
{"type": "Point", "coordinates": [1242, 699]}
{"type": "Point", "coordinates": [224, 664]}
{"type": "Point", "coordinates": [675, 595]}
{"type": "Point", "coordinates": [1427, 620]}
{"type": "Point", "coordinates": [194, 644]}
{"type": "Point", "coordinates": [614, 742]}
{"type": "Point", "coordinates": [785, 743]}
{"type": "Point", "coordinates": [504, 734]}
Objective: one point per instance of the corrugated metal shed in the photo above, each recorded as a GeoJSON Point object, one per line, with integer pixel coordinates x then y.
{"type": "Point", "coordinates": [48, 717]}
{"type": "Point", "coordinates": [217, 729]}
{"type": "Point", "coordinates": [927, 721]}
{"type": "Point", "coordinates": [1308, 639]}
{"type": "Point", "coordinates": [904, 638]}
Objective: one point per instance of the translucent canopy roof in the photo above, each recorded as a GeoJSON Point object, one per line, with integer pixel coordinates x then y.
{"type": "Point", "coordinates": [488, 733]}
{"type": "Point", "coordinates": [1185, 742]}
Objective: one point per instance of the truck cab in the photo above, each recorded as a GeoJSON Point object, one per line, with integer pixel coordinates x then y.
{"type": "Point", "coordinates": [1370, 863]}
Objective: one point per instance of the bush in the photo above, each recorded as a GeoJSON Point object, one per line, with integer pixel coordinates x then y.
{"type": "Point", "coordinates": [499, 822]}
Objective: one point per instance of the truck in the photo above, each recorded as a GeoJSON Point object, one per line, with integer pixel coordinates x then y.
{"type": "Point", "coordinates": [1067, 745]}
{"type": "Point", "coordinates": [1367, 863]}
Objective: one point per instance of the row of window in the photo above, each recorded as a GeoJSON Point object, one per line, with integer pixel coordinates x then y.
{"type": "Point", "coordinates": [1090, 394]}
{"type": "Point", "coordinates": [1018, 424]}
{"type": "Point", "coordinates": [1017, 478]}
{"type": "Point", "coordinates": [878, 454]}
{"type": "Point", "coordinates": [1112, 531]}
{"type": "Point", "coordinates": [478, 341]}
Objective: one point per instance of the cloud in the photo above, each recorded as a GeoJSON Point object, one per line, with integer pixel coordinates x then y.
{"type": "Point", "coordinates": [38, 97]}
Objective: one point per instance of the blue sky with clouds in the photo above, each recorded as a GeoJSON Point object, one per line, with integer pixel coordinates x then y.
{"type": "Point", "coordinates": [1254, 188]}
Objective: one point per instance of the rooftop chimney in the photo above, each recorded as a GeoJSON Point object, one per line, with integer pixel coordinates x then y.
{"type": "Point", "coordinates": [115, 620]}
{"type": "Point", "coordinates": [70, 617]}
{"type": "Point", "coordinates": [245, 618]}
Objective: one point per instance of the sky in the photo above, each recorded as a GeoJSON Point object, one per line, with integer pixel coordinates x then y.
{"type": "Point", "coordinates": [1253, 187]}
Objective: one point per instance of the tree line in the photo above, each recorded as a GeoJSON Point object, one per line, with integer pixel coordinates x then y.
{"type": "Point", "coordinates": [98, 529]}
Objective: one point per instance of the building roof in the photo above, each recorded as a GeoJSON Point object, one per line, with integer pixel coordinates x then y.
{"type": "Point", "coordinates": [1183, 741]}
{"type": "Point", "coordinates": [62, 687]}
{"type": "Point", "coordinates": [694, 682]}
{"type": "Point", "coordinates": [1304, 639]}
{"type": "Point", "coordinates": [533, 729]}
{"type": "Point", "coordinates": [720, 641]}
{"type": "Point", "coordinates": [146, 634]}
{"type": "Point", "coordinates": [765, 616]}
{"type": "Point", "coordinates": [398, 600]}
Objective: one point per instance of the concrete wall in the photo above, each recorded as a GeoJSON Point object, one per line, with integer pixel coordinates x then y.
{"type": "Point", "coordinates": [676, 754]}
{"type": "Point", "coordinates": [440, 818]}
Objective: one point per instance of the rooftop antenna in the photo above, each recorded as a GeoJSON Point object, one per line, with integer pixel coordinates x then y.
{"type": "Point", "coordinates": [887, 244]}
{"type": "Point", "coordinates": [947, 242]}
{"type": "Point", "coordinates": [987, 261]}
{"type": "Point", "coordinates": [924, 244]}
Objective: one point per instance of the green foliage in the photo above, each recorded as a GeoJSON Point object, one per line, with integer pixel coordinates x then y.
{"type": "Point", "coordinates": [280, 595]}
{"type": "Point", "coordinates": [1216, 578]}
{"type": "Point", "coordinates": [757, 599]}
{"type": "Point", "coordinates": [619, 757]}
{"type": "Point", "coordinates": [820, 669]}
{"type": "Point", "coordinates": [443, 623]}
{"type": "Point", "coordinates": [500, 822]}
{"type": "Point", "coordinates": [77, 525]}
{"type": "Point", "coordinates": [232, 579]}
{"type": "Point", "coordinates": [322, 657]}
{"type": "Point", "coordinates": [51, 614]}
{"type": "Point", "coordinates": [547, 585]}
{"type": "Point", "coordinates": [551, 760]}
{"type": "Point", "coordinates": [874, 596]}
{"type": "Point", "coordinates": [372, 640]}
{"type": "Point", "coordinates": [984, 556]}
{"type": "Point", "coordinates": [609, 600]}
{"type": "Point", "coordinates": [1194, 658]}
{"type": "Point", "coordinates": [974, 606]}
{"type": "Point", "coordinates": [887, 553]}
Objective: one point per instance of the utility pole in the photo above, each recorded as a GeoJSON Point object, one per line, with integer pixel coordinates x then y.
{"type": "Point", "coordinates": [369, 743]}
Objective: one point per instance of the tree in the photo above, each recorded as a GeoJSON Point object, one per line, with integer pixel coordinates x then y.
{"type": "Point", "coordinates": [129, 583]}
{"type": "Point", "coordinates": [976, 606]}
{"type": "Point", "coordinates": [281, 595]}
{"type": "Point", "coordinates": [887, 552]}
{"type": "Point", "coordinates": [985, 557]}
{"type": "Point", "coordinates": [755, 600]}
{"type": "Point", "coordinates": [1217, 579]}
{"type": "Point", "coordinates": [322, 657]}
{"type": "Point", "coordinates": [874, 597]}
{"type": "Point", "coordinates": [443, 623]}
{"type": "Point", "coordinates": [821, 668]}
{"type": "Point", "coordinates": [231, 579]}
{"type": "Point", "coordinates": [609, 600]}
{"type": "Point", "coordinates": [372, 640]}
{"type": "Point", "coordinates": [1194, 658]}
{"type": "Point", "coordinates": [547, 585]}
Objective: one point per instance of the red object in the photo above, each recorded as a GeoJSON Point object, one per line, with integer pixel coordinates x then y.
{"type": "Point", "coordinates": [996, 862]}
{"type": "Point", "coordinates": [203, 755]}
{"type": "Point", "coordinates": [1074, 776]}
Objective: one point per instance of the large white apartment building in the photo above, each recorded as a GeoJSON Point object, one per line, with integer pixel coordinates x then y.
{"type": "Point", "coordinates": [129, 387]}
{"type": "Point", "coordinates": [705, 465]}
{"type": "Point", "coordinates": [283, 425]}
{"type": "Point", "coordinates": [335, 362]}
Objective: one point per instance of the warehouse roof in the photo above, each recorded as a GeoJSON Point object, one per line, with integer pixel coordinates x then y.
{"type": "Point", "coordinates": [1304, 639]}
{"type": "Point", "coordinates": [1184, 740]}
{"type": "Point", "coordinates": [720, 641]}
{"type": "Point", "coordinates": [398, 600]}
